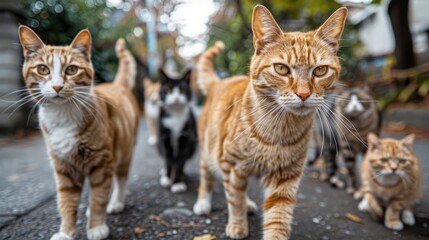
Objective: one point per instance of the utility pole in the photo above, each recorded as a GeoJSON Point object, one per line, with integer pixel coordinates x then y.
{"type": "Point", "coordinates": [151, 39]}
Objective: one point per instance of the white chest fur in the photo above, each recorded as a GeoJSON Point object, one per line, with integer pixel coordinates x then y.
{"type": "Point", "coordinates": [62, 124]}
{"type": "Point", "coordinates": [152, 109]}
{"type": "Point", "coordinates": [175, 122]}
{"type": "Point", "coordinates": [389, 180]}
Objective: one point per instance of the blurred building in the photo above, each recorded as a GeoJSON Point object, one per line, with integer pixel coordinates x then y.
{"type": "Point", "coordinates": [10, 65]}
{"type": "Point", "coordinates": [375, 30]}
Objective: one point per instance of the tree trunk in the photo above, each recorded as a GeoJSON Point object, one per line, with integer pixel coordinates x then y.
{"type": "Point", "coordinates": [404, 52]}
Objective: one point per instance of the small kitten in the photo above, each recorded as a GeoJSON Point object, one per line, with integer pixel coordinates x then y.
{"type": "Point", "coordinates": [89, 131]}
{"type": "Point", "coordinates": [391, 179]}
{"type": "Point", "coordinates": [356, 115]}
{"type": "Point", "coordinates": [151, 108]}
{"type": "Point", "coordinates": [177, 134]}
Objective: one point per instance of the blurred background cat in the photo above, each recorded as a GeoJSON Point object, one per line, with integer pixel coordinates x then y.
{"type": "Point", "coordinates": [177, 134]}
{"type": "Point", "coordinates": [151, 109]}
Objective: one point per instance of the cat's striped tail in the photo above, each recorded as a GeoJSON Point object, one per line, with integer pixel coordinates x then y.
{"type": "Point", "coordinates": [127, 69]}
{"type": "Point", "coordinates": [206, 71]}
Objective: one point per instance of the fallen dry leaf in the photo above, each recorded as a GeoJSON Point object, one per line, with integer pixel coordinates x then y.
{"type": "Point", "coordinates": [154, 217]}
{"type": "Point", "coordinates": [160, 234]}
{"type": "Point", "coordinates": [353, 218]}
{"type": "Point", "coordinates": [138, 230]}
{"type": "Point", "coordinates": [205, 237]}
{"type": "Point", "coordinates": [159, 219]}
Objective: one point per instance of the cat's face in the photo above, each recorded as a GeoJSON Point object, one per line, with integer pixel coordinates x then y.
{"type": "Point", "coordinates": [175, 92]}
{"type": "Point", "coordinates": [57, 74]}
{"type": "Point", "coordinates": [355, 101]}
{"type": "Point", "coordinates": [151, 90]}
{"type": "Point", "coordinates": [295, 68]}
{"type": "Point", "coordinates": [391, 157]}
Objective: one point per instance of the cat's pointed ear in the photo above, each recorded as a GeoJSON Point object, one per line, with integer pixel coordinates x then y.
{"type": "Point", "coordinates": [29, 40]}
{"type": "Point", "coordinates": [408, 141]}
{"type": "Point", "coordinates": [82, 42]}
{"type": "Point", "coordinates": [374, 142]}
{"type": "Point", "coordinates": [330, 31]}
{"type": "Point", "coordinates": [265, 28]}
{"type": "Point", "coordinates": [163, 78]}
{"type": "Point", "coordinates": [187, 76]}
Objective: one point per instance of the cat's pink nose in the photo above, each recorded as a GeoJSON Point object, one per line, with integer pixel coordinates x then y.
{"type": "Point", "coordinates": [303, 95]}
{"type": "Point", "coordinates": [57, 88]}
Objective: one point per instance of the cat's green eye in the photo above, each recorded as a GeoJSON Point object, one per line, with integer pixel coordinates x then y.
{"type": "Point", "coordinates": [71, 70]}
{"type": "Point", "coordinates": [384, 160]}
{"type": "Point", "coordinates": [402, 161]}
{"type": "Point", "coordinates": [320, 71]}
{"type": "Point", "coordinates": [43, 70]}
{"type": "Point", "coordinates": [281, 69]}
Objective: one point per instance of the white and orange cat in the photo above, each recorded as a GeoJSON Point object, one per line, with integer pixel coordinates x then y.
{"type": "Point", "coordinates": [151, 109]}
{"type": "Point", "coordinates": [391, 180]}
{"type": "Point", "coordinates": [89, 131]}
{"type": "Point", "coordinates": [261, 124]}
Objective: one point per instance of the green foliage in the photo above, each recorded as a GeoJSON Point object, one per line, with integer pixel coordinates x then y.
{"type": "Point", "coordinates": [58, 21]}
{"type": "Point", "coordinates": [236, 32]}
{"type": "Point", "coordinates": [416, 88]}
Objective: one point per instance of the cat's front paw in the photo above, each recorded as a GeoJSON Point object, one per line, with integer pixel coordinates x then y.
{"type": "Point", "coordinates": [357, 195]}
{"type": "Point", "coordinates": [364, 206]}
{"type": "Point", "coordinates": [115, 207]}
{"type": "Point", "coordinates": [165, 181]}
{"type": "Point", "coordinates": [152, 141]}
{"type": "Point", "coordinates": [237, 230]}
{"type": "Point", "coordinates": [395, 225]}
{"type": "Point", "coordinates": [337, 182]}
{"type": "Point", "coordinates": [178, 187]}
{"type": "Point", "coordinates": [202, 207]}
{"type": "Point", "coordinates": [408, 218]}
{"type": "Point", "coordinates": [61, 236]}
{"type": "Point", "coordinates": [323, 176]}
{"type": "Point", "coordinates": [98, 232]}
{"type": "Point", "coordinates": [350, 190]}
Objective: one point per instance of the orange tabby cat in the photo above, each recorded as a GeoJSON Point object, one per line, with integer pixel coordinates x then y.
{"type": "Point", "coordinates": [391, 179]}
{"type": "Point", "coordinates": [262, 124]}
{"type": "Point", "coordinates": [89, 131]}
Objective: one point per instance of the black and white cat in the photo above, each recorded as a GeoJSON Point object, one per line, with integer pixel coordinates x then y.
{"type": "Point", "coordinates": [177, 133]}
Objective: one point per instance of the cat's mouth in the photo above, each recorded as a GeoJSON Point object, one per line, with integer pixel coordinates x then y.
{"type": "Point", "coordinates": [353, 114]}
{"type": "Point", "coordinates": [58, 99]}
{"type": "Point", "coordinates": [176, 105]}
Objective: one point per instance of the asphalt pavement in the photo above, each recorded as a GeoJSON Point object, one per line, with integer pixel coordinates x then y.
{"type": "Point", "coordinates": [28, 202]}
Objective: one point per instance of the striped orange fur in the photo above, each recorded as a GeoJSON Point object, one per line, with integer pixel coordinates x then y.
{"type": "Point", "coordinates": [261, 124]}
{"type": "Point", "coordinates": [89, 131]}
{"type": "Point", "coordinates": [392, 180]}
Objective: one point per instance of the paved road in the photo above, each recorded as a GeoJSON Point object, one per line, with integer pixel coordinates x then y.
{"type": "Point", "coordinates": [28, 204]}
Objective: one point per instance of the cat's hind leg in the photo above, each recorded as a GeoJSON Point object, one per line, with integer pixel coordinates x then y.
{"type": "Point", "coordinates": [117, 198]}
{"type": "Point", "coordinates": [252, 207]}
{"type": "Point", "coordinates": [203, 204]}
